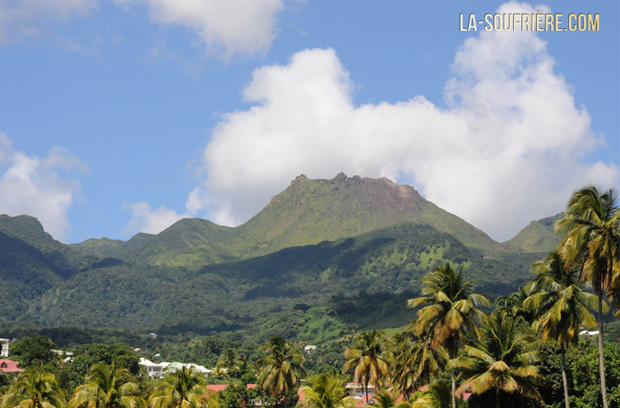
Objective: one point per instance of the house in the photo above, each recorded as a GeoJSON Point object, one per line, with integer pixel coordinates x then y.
{"type": "Point", "coordinates": [4, 351]}
{"type": "Point", "coordinates": [152, 369]}
{"type": "Point", "coordinates": [356, 390]}
{"type": "Point", "coordinates": [310, 348]}
{"type": "Point", "coordinates": [172, 367]}
{"type": "Point", "coordinates": [63, 355]}
{"type": "Point", "coordinates": [155, 370]}
{"type": "Point", "coordinates": [9, 366]}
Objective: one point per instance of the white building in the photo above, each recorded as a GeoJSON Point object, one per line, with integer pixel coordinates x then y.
{"type": "Point", "coordinates": [152, 369]}
{"type": "Point", "coordinates": [4, 351]}
{"type": "Point", "coordinates": [310, 348]}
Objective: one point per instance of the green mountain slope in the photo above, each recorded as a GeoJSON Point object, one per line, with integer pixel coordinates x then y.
{"type": "Point", "coordinates": [24, 276]}
{"type": "Point", "coordinates": [311, 211]}
{"type": "Point", "coordinates": [31, 262]}
{"type": "Point", "coordinates": [103, 247]}
{"type": "Point", "coordinates": [187, 243]}
{"type": "Point", "coordinates": [61, 258]}
{"type": "Point", "coordinates": [355, 247]}
{"type": "Point", "coordinates": [538, 236]}
{"type": "Point", "coordinates": [229, 295]}
{"type": "Point", "coordinates": [306, 213]}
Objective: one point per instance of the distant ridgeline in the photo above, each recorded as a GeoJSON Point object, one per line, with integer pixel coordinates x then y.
{"type": "Point", "coordinates": [342, 244]}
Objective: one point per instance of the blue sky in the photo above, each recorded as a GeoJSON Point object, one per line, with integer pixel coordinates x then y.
{"type": "Point", "coordinates": [121, 116]}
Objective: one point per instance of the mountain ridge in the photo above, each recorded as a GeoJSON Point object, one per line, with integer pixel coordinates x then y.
{"type": "Point", "coordinates": [307, 212]}
{"type": "Point", "coordinates": [317, 243]}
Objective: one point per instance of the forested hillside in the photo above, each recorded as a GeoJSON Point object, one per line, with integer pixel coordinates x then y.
{"type": "Point", "coordinates": [320, 243]}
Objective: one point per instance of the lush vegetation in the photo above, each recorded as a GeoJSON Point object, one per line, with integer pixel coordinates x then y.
{"type": "Point", "coordinates": [454, 347]}
{"type": "Point", "coordinates": [320, 243]}
{"type": "Point", "coordinates": [233, 295]}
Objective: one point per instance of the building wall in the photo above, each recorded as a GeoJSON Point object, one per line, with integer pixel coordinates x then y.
{"type": "Point", "coordinates": [4, 351]}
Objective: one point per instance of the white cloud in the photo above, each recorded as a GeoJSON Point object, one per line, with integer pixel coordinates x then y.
{"type": "Point", "coordinates": [40, 187]}
{"type": "Point", "coordinates": [150, 220]}
{"type": "Point", "coordinates": [23, 17]}
{"type": "Point", "coordinates": [153, 221]}
{"type": "Point", "coordinates": [510, 146]}
{"type": "Point", "coordinates": [227, 27]}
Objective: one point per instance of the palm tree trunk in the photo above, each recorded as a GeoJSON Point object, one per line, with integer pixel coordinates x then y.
{"type": "Point", "coordinates": [564, 379]}
{"type": "Point", "coordinates": [601, 358]}
{"type": "Point", "coordinates": [453, 387]}
{"type": "Point", "coordinates": [497, 397]}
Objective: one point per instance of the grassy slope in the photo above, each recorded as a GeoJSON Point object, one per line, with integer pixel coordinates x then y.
{"type": "Point", "coordinates": [538, 236]}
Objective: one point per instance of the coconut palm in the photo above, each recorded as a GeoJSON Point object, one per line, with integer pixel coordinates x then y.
{"type": "Point", "coordinates": [437, 395]}
{"type": "Point", "coordinates": [592, 242]}
{"type": "Point", "coordinates": [512, 304]}
{"type": "Point", "coordinates": [327, 391]}
{"type": "Point", "coordinates": [230, 364]}
{"type": "Point", "coordinates": [366, 359]}
{"type": "Point", "coordinates": [34, 388]}
{"type": "Point", "coordinates": [183, 388]}
{"type": "Point", "coordinates": [106, 387]}
{"type": "Point", "coordinates": [559, 306]}
{"type": "Point", "coordinates": [449, 313]}
{"type": "Point", "coordinates": [414, 362]}
{"type": "Point", "coordinates": [502, 361]}
{"type": "Point", "coordinates": [383, 399]}
{"type": "Point", "coordinates": [280, 368]}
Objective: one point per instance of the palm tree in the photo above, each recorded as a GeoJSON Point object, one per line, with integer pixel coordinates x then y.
{"type": "Point", "coordinates": [503, 360]}
{"type": "Point", "coordinates": [383, 399]}
{"type": "Point", "coordinates": [327, 391]}
{"type": "Point", "coordinates": [231, 364]}
{"type": "Point", "coordinates": [592, 242]}
{"type": "Point", "coordinates": [450, 312]}
{"type": "Point", "coordinates": [34, 388]}
{"type": "Point", "coordinates": [106, 387]}
{"type": "Point", "coordinates": [280, 368]}
{"type": "Point", "coordinates": [414, 362]}
{"type": "Point", "coordinates": [437, 395]}
{"type": "Point", "coordinates": [513, 303]}
{"type": "Point", "coordinates": [366, 360]}
{"type": "Point", "coordinates": [183, 388]}
{"type": "Point", "coordinates": [560, 307]}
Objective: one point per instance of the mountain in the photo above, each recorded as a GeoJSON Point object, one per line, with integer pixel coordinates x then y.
{"type": "Point", "coordinates": [355, 247]}
{"type": "Point", "coordinates": [187, 243]}
{"type": "Point", "coordinates": [306, 213]}
{"type": "Point", "coordinates": [311, 211]}
{"type": "Point", "coordinates": [538, 236]}
{"type": "Point", "coordinates": [228, 295]}
{"type": "Point", "coordinates": [62, 259]}
{"type": "Point", "coordinates": [31, 263]}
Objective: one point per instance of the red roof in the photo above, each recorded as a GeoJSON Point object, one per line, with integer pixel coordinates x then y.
{"type": "Point", "coordinates": [217, 387]}
{"type": "Point", "coordinates": [363, 401]}
{"type": "Point", "coordinates": [9, 366]}
{"type": "Point", "coordinates": [220, 387]}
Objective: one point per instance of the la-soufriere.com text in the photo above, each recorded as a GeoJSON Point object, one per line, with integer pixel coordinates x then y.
{"type": "Point", "coordinates": [530, 22]}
